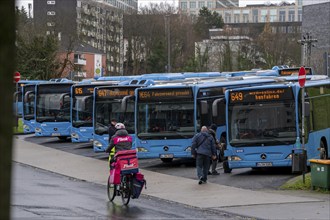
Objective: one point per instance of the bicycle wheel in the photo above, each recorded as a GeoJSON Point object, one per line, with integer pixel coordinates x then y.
{"type": "Point", "coordinates": [112, 190]}
{"type": "Point", "coordinates": [126, 189]}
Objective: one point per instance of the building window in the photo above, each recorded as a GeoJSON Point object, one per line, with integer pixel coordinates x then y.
{"type": "Point", "coordinates": [47, 32]}
{"type": "Point", "coordinates": [201, 4]}
{"type": "Point", "coordinates": [272, 15]}
{"type": "Point", "coordinates": [192, 4]}
{"type": "Point", "coordinates": [299, 15]}
{"type": "Point", "coordinates": [209, 4]}
{"type": "Point", "coordinates": [236, 18]}
{"type": "Point", "coordinates": [291, 15]}
{"type": "Point", "coordinates": [282, 16]}
{"type": "Point", "coordinates": [184, 5]}
{"type": "Point", "coordinates": [51, 13]}
{"type": "Point", "coordinates": [255, 15]}
{"type": "Point", "coordinates": [227, 17]}
{"type": "Point", "coordinates": [51, 2]}
{"type": "Point", "coordinates": [263, 16]}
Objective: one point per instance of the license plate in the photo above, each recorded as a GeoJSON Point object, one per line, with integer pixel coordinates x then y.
{"type": "Point", "coordinates": [56, 134]}
{"type": "Point", "coordinates": [166, 156]}
{"type": "Point", "coordinates": [264, 164]}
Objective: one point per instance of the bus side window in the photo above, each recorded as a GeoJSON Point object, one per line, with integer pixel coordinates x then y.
{"type": "Point", "coordinates": [219, 112]}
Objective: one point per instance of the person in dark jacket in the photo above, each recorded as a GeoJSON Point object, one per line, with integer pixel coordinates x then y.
{"type": "Point", "coordinates": [203, 149]}
{"type": "Point", "coordinates": [119, 141]}
{"type": "Point", "coordinates": [112, 130]}
{"type": "Point", "coordinates": [214, 163]}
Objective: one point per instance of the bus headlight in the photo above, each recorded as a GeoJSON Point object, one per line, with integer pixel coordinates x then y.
{"type": "Point", "coordinates": [37, 130]}
{"type": "Point", "coordinates": [74, 135]}
{"type": "Point", "coordinates": [289, 156]}
{"type": "Point", "coordinates": [141, 149]}
{"type": "Point", "coordinates": [97, 144]}
{"type": "Point", "coordinates": [188, 149]}
{"type": "Point", "coordinates": [234, 158]}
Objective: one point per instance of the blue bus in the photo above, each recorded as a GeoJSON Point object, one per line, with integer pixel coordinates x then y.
{"type": "Point", "coordinates": [168, 116]}
{"type": "Point", "coordinates": [264, 123]}
{"type": "Point", "coordinates": [28, 107]}
{"type": "Point", "coordinates": [112, 102]}
{"type": "Point", "coordinates": [18, 95]}
{"type": "Point", "coordinates": [53, 101]}
{"type": "Point", "coordinates": [117, 102]}
{"type": "Point", "coordinates": [82, 110]}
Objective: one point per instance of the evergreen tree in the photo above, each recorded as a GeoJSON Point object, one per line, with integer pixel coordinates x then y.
{"type": "Point", "coordinates": [207, 20]}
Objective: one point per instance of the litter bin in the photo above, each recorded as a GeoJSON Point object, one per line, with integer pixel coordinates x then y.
{"type": "Point", "coordinates": [299, 161]}
{"type": "Point", "coordinates": [320, 173]}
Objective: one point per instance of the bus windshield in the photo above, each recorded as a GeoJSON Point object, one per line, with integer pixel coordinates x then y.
{"type": "Point", "coordinates": [169, 119]}
{"type": "Point", "coordinates": [111, 109]}
{"type": "Point", "coordinates": [82, 111]}
{"type": "Point", "coordinates": [53, 107]}
{"type": "Point", "coordinates": [262, 124]}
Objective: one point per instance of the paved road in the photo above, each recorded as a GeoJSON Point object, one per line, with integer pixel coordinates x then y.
{"type": "Point", "coordinates": [39, 194]}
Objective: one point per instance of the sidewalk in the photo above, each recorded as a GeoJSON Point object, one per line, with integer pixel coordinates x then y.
{"type": "Point", "coordinates": [257, 204]}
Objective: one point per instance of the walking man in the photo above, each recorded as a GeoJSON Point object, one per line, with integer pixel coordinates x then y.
{"type": "Point", "coordinates": [203, 149]}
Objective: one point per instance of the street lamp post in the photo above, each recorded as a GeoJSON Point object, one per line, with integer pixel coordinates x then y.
{"type": "Point", "coordinates": [167, 29]}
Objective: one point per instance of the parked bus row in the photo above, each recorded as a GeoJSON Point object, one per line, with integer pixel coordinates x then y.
{"type": "Point", "coordinates": [163, 111]}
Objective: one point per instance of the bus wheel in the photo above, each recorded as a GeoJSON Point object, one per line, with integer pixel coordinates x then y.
{"type": "Point", "coordinates": [323, 151]}
{"type": "Point", "coordinates": [63, 138]}
{"type": "Point", "coordinates": [167, 160]}
{"type": "Point", "coordinates": [226, 168]}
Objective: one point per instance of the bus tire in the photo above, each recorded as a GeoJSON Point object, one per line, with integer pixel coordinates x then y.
{"type": "Point", "coordinates": [167, 160]}
{"type": "Point", "coordinates": [62, 138]}
{"type": "Point", "coordinates": [323, 151]}
{"type": "Point", "coordinates": [226, 168]}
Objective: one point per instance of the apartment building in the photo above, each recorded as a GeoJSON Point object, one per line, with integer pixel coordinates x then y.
{"type": "Point", "coordinates": [257, 13]}
{"type": "Point", "coordinates": [98, 23]}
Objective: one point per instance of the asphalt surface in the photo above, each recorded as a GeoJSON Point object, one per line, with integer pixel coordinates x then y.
{"type": "Point", "coordinates": [255, 204]}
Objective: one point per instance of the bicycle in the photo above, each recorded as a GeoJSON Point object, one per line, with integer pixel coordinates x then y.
{"type": "Point", "coordinates": [124, 189]}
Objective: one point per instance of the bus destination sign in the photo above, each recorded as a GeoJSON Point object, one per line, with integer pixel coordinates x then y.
{"type": "Point", "coordinates": [294, 71]}
{"type": "Point", "coordinates": [83, 90]}
{"type": "Point", "coordinates": [260, 95]}
{"type": "Point", "coordinates": [115, 92]}
{"type": "Point", "coordinates": [164, 94]}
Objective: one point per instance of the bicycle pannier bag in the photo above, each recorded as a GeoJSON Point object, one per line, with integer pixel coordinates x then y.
{"type": "Point", "coordinates": [138, 183]}
{"type": "Point", "coordinates": [115, 173]}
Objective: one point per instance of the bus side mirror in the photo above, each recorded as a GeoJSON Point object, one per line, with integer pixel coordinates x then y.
{"type": "Point", "coordinates": [27, 95]}
{"type": "Point", "coordinates": [215, 106]}
{"type": "Point", "coordinates": [124, 102]}
{"type": "Point", "coordinates": [204, 107]}
{"type": "Point", "coordinates": [307, 109]}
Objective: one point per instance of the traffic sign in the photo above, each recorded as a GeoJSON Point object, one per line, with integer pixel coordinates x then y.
{"type": "Point", "coordinates": [302, 76]}
{"type": "Point", "coordinates": [17, 77]}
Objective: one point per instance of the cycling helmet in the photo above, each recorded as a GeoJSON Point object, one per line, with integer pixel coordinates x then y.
{"type": "Point", "coordinates": [120, 126]}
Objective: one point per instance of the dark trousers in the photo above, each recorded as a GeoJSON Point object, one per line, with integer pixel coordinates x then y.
{"type": "Point", "coordinates": [202, 165]}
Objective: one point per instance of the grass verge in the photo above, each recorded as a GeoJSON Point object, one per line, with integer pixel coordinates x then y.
{"type": "Point", "coordinates": [19, 129]}
{"type": "Point", "coordinates": [297, 183]}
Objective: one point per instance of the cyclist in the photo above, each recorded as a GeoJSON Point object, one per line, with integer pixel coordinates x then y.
{"type": "Point", "coordinates": [120, 140]}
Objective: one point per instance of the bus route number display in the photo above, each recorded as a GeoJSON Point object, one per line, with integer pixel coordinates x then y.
{"type": "Point", "coordinates": [115, 93]}
{"type": "Point", "coordinates": [161, 94]}
{"type": "Point", "coordinates": [83, 90]}
{"type": "Point", "coordinates": [294, 71]}
{"type": "Point", "coordinates": [260, 95]}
